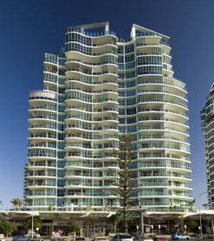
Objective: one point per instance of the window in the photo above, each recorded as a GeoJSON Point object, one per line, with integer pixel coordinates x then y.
{"type": "Point", "coordinates": [121, 84]}
{"type": "Point", "coordinates": [131, 92]}
{"type": "Point", "coordinates": [131, 120]}
{"type": "Point", "coordinates": [129, 48]}
{"type": "Point", "coordinates": [150, 70]}
{"type": "Point", "coordinates": [130, 74]}
{"type": "Point", "coordinates": [122, 120]}
{"type": "Point", "coordinates": [131, 111]}
{"type": "Point", "coordinates": [131, 101]}
{"type": "Point", "coordinates": [149, 60]}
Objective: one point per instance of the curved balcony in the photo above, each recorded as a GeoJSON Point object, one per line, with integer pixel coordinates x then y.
{"type": "Point", "coordinates": [167, 123]}
{"type": "Point", "coordinates": [33, 128]}
{"type": "Point", "coordinates": [177, 177]}
{"type": "Point", "coordinates": [166, 81]}
{"type": "Point", "coordinates": [91, 79]}
{"type": "Point", "coordinates": [95, 94]}
{"type": "Point", "coordinates": [148, 49]}
{"type": "Point", "coordinates": [70, 72]}
{"type": "Point", "coordinates": [95, 84]}
{"type": "Point", "coordinates": [178, 169]}
{"type": "Point", "coordinates": [42, 95]}
{"type": "Point", "coordinates": [96, 66]}
{"type": "Point", "coordinates": [39, 196]}
{"type": "Point", "coordinates": [42, 186]}
{"type": "Point", "coordinates": [158, 88]}
{"type": "Point", "coordinates": [161, 129]}
{"type": "Point", "coordinates": [175, 149]}
{"type": "Point", "coordinates": [75, 54]}
{"type": "Point", "coordinates": [41, 167]}
{"type": "Point", "coordinates": [39, 117]}
{"type": "Point", "coordinates": [168, 113]}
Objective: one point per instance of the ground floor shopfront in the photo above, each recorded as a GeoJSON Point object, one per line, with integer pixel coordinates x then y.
{"type": "Point", "coordinates": [102, 223]}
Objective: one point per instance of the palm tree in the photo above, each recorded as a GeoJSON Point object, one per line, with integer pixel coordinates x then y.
{"type": "Point", "coordinates": [17, 203]}
{"type": "Point", "coordinates": [191, 205]}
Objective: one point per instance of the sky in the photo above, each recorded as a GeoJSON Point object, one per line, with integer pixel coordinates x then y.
{"type": "Point", "coordinates": [28, 28]}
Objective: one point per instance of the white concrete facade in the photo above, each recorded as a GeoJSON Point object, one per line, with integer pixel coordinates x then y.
{"type": "Point", "coordinates": [99, 87]}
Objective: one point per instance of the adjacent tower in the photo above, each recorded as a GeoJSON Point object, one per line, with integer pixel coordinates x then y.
{"type": "Point", "coordinates": [207, 119]}
{"type": "Point", "coordinates": [100, 87]}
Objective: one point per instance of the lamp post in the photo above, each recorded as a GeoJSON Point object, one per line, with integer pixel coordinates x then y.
{"type": "Point", "coordinates": [32, 224]}
{"type": "Point", "coordinates": [185, 228]}
{"type": "Point", "coordinates": [159, 229]}
{"type": "Point", "coordinates": [141, 221]}
{"type": "Point", "coordinates": [200, 217]}
{"type": "Point", "coordinates": [152, 228]}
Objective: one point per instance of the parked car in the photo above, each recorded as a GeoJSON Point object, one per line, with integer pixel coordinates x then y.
{"type": "Point", "coordinates": [143, 238]}
{"type": "Point", "coordinates": [79, 239]}
{"type": "Point", "coordinates": [122, 237]}
{"type": "Point", "coordinates": [179, 236]}
{"type": "Point", "coordinates": [24, 238]}
{"type": "Point", "coordinates": [2, 237]}
{"type": "Point", "coordinates": [20, 238]}
{"type": "Point", "coordinates": [100, 239]}
{"type": "Point", "coordinates": [139, 238]}
{"type": "Point", "coordinates": [160, 238]}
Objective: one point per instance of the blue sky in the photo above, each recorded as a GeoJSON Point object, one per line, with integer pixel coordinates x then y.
{"type": "Point", "coordinates": [28, 28]}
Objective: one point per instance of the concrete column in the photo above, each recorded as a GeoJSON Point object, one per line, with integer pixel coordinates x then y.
{"type": "Point", "coordinates": [106, 28]}
{"type": "Point", "coordinates": [142, 222]}
{"type": "Point", "coordinates": [212, 226]}
{"type": "Point", "coordinates": [133, 33]}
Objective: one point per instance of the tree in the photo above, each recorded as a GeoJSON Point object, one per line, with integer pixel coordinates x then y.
{"type": "Point", "coordinates": [192, 225]}
{"type": "Point", "coordinates": [7, 228]}
{"type": "Point", "coordinates": [1, 204]}
{"type": "Point", "coordinates": [37, 223]}
{"type": "Point", "coordinates": [125, 156]}
{"type": "Point", "coordinates": [50, 208]}
{"type": "Point", "coordinates": [115, 220]}
{"type": "Point", "coordinates": [73, 226]}
{"type": "Point", "coordinates": [191, 205]}
{"type": "Point", "coordinates": [17, 203]}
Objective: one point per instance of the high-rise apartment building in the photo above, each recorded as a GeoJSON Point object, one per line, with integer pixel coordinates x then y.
{"type": "Point", "coordinates": [207, 119]}
{"type": "Point", "coordinates": [99, 87]}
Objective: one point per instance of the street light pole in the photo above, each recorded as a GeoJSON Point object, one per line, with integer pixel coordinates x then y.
{"type": "Point", "coordinates": [141, 223]}
{"type": "Point", "coordinates": [32, 221]}
{"type": "Point", "coordinates": [200, 217]}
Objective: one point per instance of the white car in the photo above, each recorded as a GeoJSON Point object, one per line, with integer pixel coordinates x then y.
{"type": "Point", "coordinates": [2, 237]}
{"type": "Point", "coordinates": [181, 237]}
{"type": "Point", "coordinates": [122, 237]}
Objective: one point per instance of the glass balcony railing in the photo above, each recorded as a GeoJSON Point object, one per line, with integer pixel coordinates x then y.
{"type": "Point", "coordinates": [43, 135]}
{"type": "Point", "coordinates": [150, 128]}
{"type": "Point", "coordinates": [43, 107]}
{"type": "Point", "coordinates": [167, 81]}
{"type": "Point", "coordinates": [165, 146]}
{"type": "Point", "coordinates": [176, 101]}
{"type": "Point", "coordinates": [48, 126]}
{"type": "Point", "coordinates": [161, 137]}
{"type": "Point", "coordinates": [180, 113]}
{"type": "Point", "coordinates": [162, 119]}
{"type": "Point", "coordinates": [158, 155]}
{"type": "Point", "coordinates": [42, 116]}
